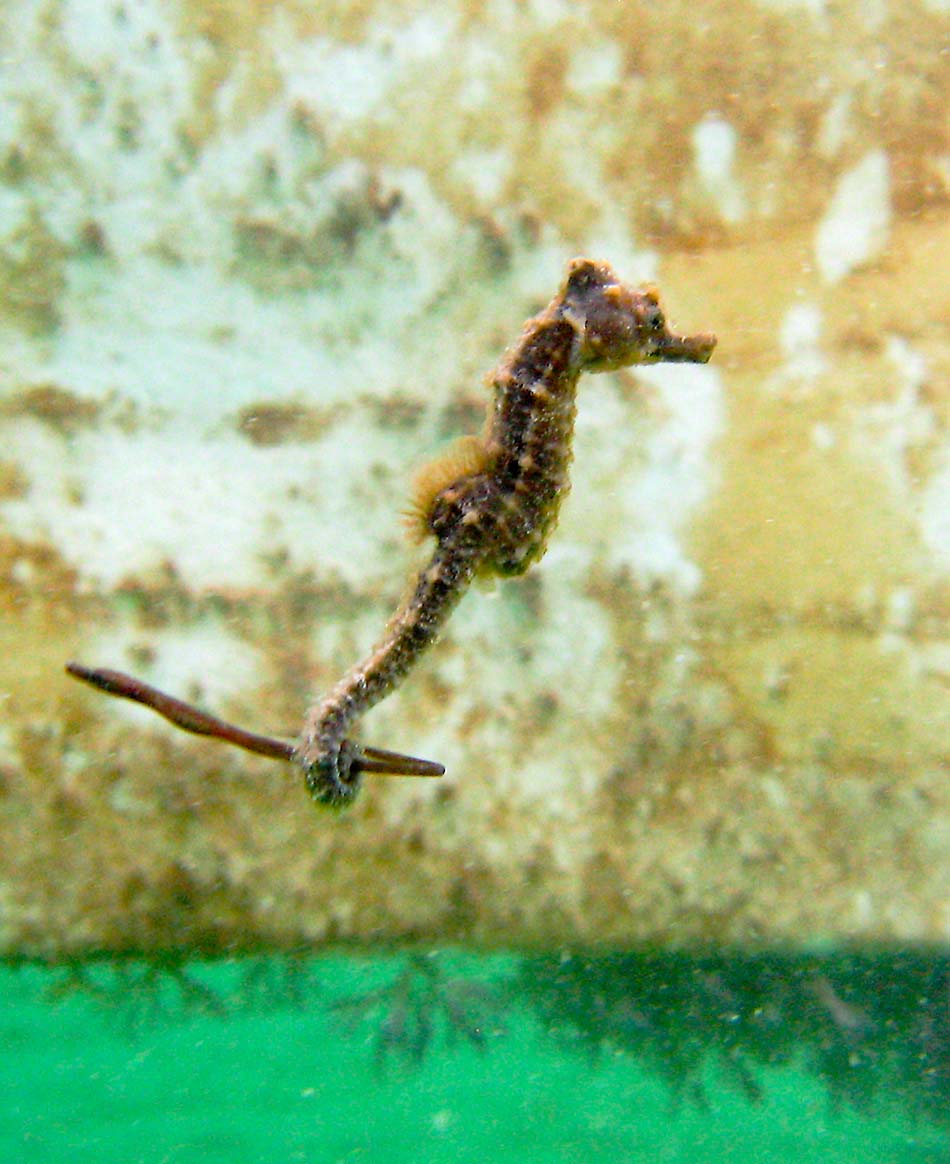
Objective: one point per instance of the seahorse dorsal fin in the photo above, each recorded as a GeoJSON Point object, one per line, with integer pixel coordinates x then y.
{"type": "Point", "coordinates": [462, 458]}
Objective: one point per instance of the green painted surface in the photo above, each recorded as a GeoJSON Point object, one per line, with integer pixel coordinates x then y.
{"type": "Point", "coordinates": [454, 1058]}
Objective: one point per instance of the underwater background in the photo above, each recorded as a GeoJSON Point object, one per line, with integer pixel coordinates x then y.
{"type": "Point", "coordinates": [684, 889]}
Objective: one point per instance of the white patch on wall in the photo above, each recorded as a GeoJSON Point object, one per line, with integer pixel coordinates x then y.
{"type": "Point", "coordinates": [595, 69]}
{"type": "Point", "coordinates": [484, 172]}
{"type": "Point", "coordinates": [481, 67]}
{"type": "Point", "coordinates": [894, 432]}
{"type": "Point", "coordinates": [714, 149]}
{"type": "Point", "coordinates": [901, 611]}
{"type": "Point", "coordinates": [855, 227]}
{"type": "Point", "coordinates": [873, 14]}
{"type": "Point", "coordinates": [200, 662]}
{"type": "Point", "coordinates": [569, 133]}
{"type": "Point", "coordinates": [498, 660]}
{"type": "Point", "coordinates": [800, 341]}
{"type": "Point", "coordinates": [638, 481]}
{"type": "Point", "coordinates": [834, 125]}
{"type": "Point", "coordinates": [575, 649]}
{"type": "Point", "coordinates": [891, 430]}
{"type": "Point", "coordinates": [16, 213]}
{"type": "Point", "coordinates": [910, 365]}
{"type": "Point", "coordinates": [678, 478]}
{"type": "Point", "coordinates": [611, 237]}
{"type": "Point", "coordinates": [424, 38]}
{"type": "Point", "coordinates": [569, 646]}
{"type": "Point", "coordinates": [341, 83]}
{"type": "Point", "coordinates": [815, 7]}
{"type": "Point", "coordinates": [112, 89]}
{"type": "Point", "coordinates": [550, 12]}
{"type": "Point", "coordinates": [935, 516]}
{"type": "Point", "coordinates": [180, 347]}
{"type": "Point", "coordinates": [218, 509]}
{"type": "Point", "coordinates": [346, 84]}
{"type": "Point", "coordinates": [539, 270]}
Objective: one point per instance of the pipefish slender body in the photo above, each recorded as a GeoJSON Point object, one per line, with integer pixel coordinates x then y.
{"type": "Point", "coordinates": [490, 503]}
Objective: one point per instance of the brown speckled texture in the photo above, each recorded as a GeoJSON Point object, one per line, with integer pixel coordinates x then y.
{"type": "Point", "coordinates": [245, 295]}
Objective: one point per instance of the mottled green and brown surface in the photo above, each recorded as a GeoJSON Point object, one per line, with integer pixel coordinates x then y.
{"type": "Point", "coordinates": [254, 260]}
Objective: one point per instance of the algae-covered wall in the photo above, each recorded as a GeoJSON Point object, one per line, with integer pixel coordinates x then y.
{"type": "Point", "coordinates": [254, 262]}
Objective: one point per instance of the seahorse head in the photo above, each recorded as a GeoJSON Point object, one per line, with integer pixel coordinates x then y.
{"type": "Point", "coordinates": [621, 325]}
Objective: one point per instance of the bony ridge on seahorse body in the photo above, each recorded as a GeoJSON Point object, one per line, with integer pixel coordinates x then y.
{"type": "Point", "coordinates": [490, 503]}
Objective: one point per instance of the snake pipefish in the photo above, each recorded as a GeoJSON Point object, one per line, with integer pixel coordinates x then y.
{"type": "Point", "coordinates": [490, 503]}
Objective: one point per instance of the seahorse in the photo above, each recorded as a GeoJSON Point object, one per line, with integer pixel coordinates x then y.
{"type": "Point", "coordinates": [490, 502]}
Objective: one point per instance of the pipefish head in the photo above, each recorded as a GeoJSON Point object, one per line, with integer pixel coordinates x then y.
{"type": "Point", "coordinates": [621, 325]}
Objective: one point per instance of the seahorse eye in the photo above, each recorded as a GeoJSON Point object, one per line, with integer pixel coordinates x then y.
{"type": "Point", "coordinates": [653, 318]}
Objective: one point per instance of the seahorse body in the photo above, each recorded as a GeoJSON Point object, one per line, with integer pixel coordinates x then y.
{"type": "Point", "coordinates": [492, 503]}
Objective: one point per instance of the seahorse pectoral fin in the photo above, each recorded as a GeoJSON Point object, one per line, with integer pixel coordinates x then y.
{"type": "Point", "coordinates": [379, 762]}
